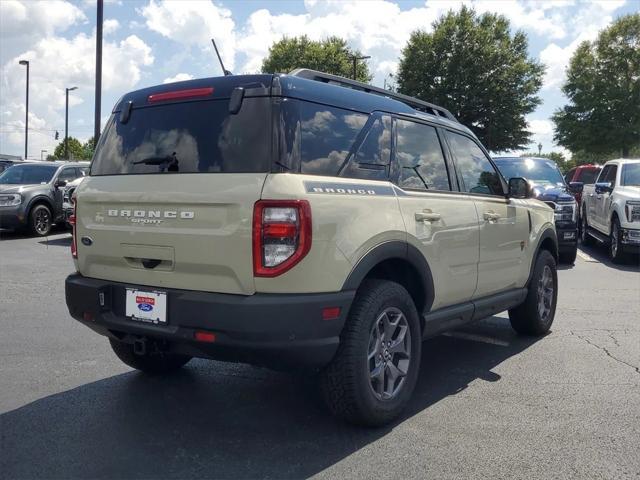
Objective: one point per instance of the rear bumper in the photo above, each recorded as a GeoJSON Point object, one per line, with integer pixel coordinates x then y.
{"type": "Point", "coordinates": [278, 331]}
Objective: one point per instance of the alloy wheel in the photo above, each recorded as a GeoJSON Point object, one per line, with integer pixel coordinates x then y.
{"type": "Point", "coordinates": [545, 293]}
{"type": "Point", "coordinates": [42, 220]}
{"type": "Point", "coordinates": [389, 353]}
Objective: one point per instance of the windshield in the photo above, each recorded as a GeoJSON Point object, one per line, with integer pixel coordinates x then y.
{"type": "Point", "coordinates": [27, 174]}
{"type": "Point", "coordinates": [535, 170]}
{"type": "Point", "coordinates": [189, 137]}
{"type": "Point", "coordinates": [631, 174]}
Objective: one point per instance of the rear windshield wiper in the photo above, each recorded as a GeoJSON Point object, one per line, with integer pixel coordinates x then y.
{"type": "Point", "coordinates": [170, 160]}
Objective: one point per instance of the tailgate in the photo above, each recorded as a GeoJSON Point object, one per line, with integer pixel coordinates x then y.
{"type": "Point", "coordinates": [186, 231]}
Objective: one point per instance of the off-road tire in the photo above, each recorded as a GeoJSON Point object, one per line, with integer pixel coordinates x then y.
{"type": "Point", "coordinates": [40, 220]}
{"type": "Point", "coordinates": [346, 382]}
{"type": "Point", "coordinates": [616, 252]}
{"type": "Point", "coordinates": [526, 319]}
{"type": "Point", "coordinates": [153, 363]}
{"type": "Point", "coordinates": [568, 257]}
{"type": "Point", "coordinates": [585, 238]}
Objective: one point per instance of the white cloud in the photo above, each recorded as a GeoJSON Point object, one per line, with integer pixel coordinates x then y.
{"type": "Point", "coordinates": [122, 69]}
{"type": "Point", "coordinates": [180, 77]}
{"type": "Point", "coordinates": [109, 26]}
{"type": "Point", "coordinates": [193, 23]}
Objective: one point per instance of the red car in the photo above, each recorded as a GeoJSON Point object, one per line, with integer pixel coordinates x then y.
{"type": "Point", "coordinates": [585, 174]}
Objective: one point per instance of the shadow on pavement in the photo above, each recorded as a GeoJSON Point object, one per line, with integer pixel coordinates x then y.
{"type": "Point", "coordinates": [57, 242]}
{"type": "Point", "coordinates": [224, 421]}
{"type": "Point", "coordinates": [601, 254]}
{"type": "Point", "coordinates": [25, 233]}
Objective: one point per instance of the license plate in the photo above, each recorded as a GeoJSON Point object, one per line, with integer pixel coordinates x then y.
{"type": "Point", "coordinates": [148, 307]}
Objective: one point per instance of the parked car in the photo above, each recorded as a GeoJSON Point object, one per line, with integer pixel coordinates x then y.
{"type": "Point", "coordinates": [581, 175]}
{"type": "Point", "coordinates": [611, 208]}
{"type": "Point", "coordinates": [267, 219]}
{"type": "Point", "coordinates": [68, 199]}
{"type": "Point", "coordinates": [549, 187]}
{"type": "Point", "coordinates": [31, 194]}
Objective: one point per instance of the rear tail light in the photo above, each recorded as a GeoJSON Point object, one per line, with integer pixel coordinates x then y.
{"type": "Point", "coordinates": [281, 235]}
{"type": "Point", "coordinates": [74, 236]}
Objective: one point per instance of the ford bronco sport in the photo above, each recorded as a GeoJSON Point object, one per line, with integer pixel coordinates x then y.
{"type": "Point", "coordinates": [301, 221]}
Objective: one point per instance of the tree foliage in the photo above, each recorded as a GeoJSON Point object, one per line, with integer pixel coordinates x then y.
{"type": "Point", "coordinates": [331, 55]}
{"type": "Point", "coordinates": [603, 87]}
{"type": "Point", "coordinates": [475, 68]}
{"type": "Point", "coordinates": [76, 151]}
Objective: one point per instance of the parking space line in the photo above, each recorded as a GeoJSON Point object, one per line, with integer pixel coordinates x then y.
{"type": "Point", "coordinates": [476, 338]}
{"type": "Point", "coordinates": [586, 256]}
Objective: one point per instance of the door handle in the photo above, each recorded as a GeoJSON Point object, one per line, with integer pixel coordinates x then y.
{"type": "Point", "coordinates": [491, 216]}
{"type": "Point", "coordinates": [427, 216]}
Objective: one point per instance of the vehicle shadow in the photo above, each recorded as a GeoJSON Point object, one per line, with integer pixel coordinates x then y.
{"type": "Point", "coordinates": [57, 242]}
{"type": "Point", "coordinates": [601, 254]}
{"type": "Point", "coordinates": [6, 234]}
{"type": "Point", "coordinates": [225, 421]}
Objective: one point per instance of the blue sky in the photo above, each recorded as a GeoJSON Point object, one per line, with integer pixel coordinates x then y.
{"type": "Point", "coordinates": [148, 42]}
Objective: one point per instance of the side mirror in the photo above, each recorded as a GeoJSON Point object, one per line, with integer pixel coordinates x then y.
{"type": "Point", "coordinates": [602, 187]}
{"type": "Point", "coordinates": [60, 183]}
{"type": "Point", "coordinates": [519, 188]}
{"type": "Point", "coordinates": [576, 187]}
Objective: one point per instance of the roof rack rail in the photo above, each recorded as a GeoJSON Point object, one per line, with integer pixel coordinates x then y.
{"type": "Point", "coordinates": [354, 84]}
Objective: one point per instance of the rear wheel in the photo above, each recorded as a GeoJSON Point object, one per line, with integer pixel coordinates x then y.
{"type": "Point", "coordinates": [155, 363]}
{"type": "Point", "coordinates": [374, 372]}
{"type": "Point", "coordinates": [585, 238]}
{"type": "Point", "coordinates": [535, 315]}
{"type": "Point", "coordinates": [40, 220]}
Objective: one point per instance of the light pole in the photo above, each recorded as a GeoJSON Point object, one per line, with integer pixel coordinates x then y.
{"type": "Point", "coordinates": [26, 115]}
{"type": "Point", "coordinates": [96, 120]}
{"type": "Point", "coordinates": [41, 152]}
{"type": "Point", "coordinates": [355, 59]}
{"type": "Point", "coordinates": [539, 148]}
{"type": "Point", "coordinates": [66, 122]}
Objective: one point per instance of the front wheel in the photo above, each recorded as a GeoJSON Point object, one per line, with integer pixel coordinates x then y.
{"type": "Point", "coordinates": [149, 362]}
{"type": "Point", "coordinates": [372, 376]}
{"type": "Point", "coordinates": [615, 242]}
{"type": "Point", "coordinates": [535, 315]}
{"type": "Point", "coordinates": [40, 220]}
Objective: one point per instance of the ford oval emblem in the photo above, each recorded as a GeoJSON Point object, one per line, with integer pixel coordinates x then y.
{"type": "Point", "coordinates": [86, 241]}
{"type": "Point", "coordinates": [145, 307]}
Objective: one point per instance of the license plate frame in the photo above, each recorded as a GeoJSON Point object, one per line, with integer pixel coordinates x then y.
{"type": "Point", "coordinates": [146, 306]}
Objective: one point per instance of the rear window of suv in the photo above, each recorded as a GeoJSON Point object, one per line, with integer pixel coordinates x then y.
{"type": "Point", "coordinates": [188, 137]}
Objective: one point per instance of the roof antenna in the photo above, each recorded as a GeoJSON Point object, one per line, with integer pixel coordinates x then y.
{"type": "Point", "coordinates": [224, 70]}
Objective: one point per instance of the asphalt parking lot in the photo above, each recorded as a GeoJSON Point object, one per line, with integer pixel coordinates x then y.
{"type": "Point", "coordinates": [488, 403]}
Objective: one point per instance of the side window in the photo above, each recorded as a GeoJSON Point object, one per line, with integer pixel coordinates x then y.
{"type": "Point", "coordinates": [67, 174]}
{"type": "Point", "coordinates": [569, 175]}
{"type": "Point", "coordinates": [603, 174]}
{"type": "Point", "coordinates": [83, 171]}
{"type": "Point", "coordinates": [372, 159]}
{"type": "Point", "coordinates": [327, 136]}
{"type": "Point", "coordinates": [611, 176]}
{"type": "Point", "coordinates": [478, 174]}
{"type": "Point", "coordinates": [420, 158]}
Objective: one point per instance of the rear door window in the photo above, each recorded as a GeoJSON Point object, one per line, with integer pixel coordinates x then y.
{"type": "Point", "coordinates": [328, 135]}
{"type": "Point", "coordinates": [188, 137]}
{"type": "Point", "coordinates": [373, 157]}
{"type": "Point", "coordinates": [420, 158]}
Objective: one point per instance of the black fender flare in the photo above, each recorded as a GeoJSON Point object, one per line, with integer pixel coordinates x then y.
{"type": "Point", "coordinates": [389, 250]}
{"type": "Point", "coordinates": [40, 199]}
{"type": "Point", "coordinates": [547, 233]}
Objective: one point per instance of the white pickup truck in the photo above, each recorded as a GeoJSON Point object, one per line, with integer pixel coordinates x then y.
{"type": "Point", "coordinates": [610, 208]}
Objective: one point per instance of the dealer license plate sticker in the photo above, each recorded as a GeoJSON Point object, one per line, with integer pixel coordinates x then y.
{"type": "Point", "coordinates": [148, 307]}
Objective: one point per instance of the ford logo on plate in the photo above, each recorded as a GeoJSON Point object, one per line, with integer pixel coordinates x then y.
{"type": "Point", "coordinates": [145, 307]}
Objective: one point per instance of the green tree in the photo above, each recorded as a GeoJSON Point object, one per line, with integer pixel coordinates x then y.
{"type": "Point", "coordinates": [331, 55]}
{"type": "Point", "coordinates": [473, 66]}
{"type": "Point", "coordinates": [88, 148]}
{"type": "Point", "coordinates": [76, 152]}
{"type": "Point", "coordinates": [603, 87]}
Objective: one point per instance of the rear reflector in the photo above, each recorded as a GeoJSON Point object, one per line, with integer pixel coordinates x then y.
{"type": "Point", "coordinates": [180, 94]}
{"type": "Point", "coordinates": [330, 313]}
{"type": "Point", "coordinates": [207, 337]}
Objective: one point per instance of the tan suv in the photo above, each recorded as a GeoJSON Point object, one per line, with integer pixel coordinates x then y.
{"type": "Point", "coordinates": [301, 221]}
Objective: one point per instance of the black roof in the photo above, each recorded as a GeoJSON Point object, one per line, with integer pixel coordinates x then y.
{"type": "Point", "coordinates": [341, 93]}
